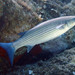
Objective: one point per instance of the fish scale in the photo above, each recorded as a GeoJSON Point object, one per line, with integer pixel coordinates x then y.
{"type": "Point", "coordinates": [38, 33]}
{"type": "Point", "coordinates": [41, 33]}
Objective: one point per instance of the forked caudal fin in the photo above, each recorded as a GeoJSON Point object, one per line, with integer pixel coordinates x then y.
{"type": "Point", "coordinates": [8, 47]}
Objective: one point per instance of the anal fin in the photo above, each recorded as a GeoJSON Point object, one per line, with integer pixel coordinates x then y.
{"type": "Point", "coordinates": [29, 48]}
{"type": "Point", "coordinates": [34, 50]}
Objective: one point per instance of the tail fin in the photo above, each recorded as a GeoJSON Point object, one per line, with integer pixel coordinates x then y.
{"type": "Point", "coordinates": [10, 50]}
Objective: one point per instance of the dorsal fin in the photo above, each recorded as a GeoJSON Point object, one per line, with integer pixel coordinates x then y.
{"type": "Point", "coordinates": [22, 33]}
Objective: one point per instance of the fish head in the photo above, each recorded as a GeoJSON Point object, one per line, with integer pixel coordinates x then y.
{"type": "Point", "coordinates": [71, 23]}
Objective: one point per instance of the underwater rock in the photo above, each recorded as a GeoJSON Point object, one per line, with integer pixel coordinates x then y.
{"type": "Point", "coordinates": [17, 19]}
{"type": "Point", "coordinates": [1, 8]}
{"type": "Point", "coordinates": [61, 64]}
{"type": "Point", "coordinates": [73, 2]}
{"type": "Point", "coordinates": [65, 1]}
{"type": "Point", "coordinates": [69, 8]}
{"type": "Point", "coordinates": [13, 20]}
{"type": "Point", "coordinates": [1, 14]}
{"type": "Point", "coordinates": [21, 16]}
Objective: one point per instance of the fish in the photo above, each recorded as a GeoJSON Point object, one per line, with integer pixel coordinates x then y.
{"type": "Point", "coordinates": [41, 33]}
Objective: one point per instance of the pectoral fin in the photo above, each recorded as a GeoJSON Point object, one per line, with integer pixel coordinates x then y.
{"type": "Point", "coordinates": [60, 26]}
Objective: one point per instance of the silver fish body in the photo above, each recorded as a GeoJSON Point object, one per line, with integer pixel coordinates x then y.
{"type": "Point", "coordinates": [45, 31]}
